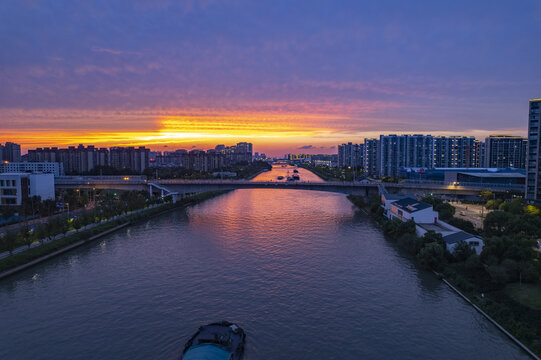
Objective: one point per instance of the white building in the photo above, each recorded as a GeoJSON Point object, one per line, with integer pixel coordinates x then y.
{"type": "Point", "coordinates": [387, 199]}
{"type": "Point", "coordinates": [412, 209]}
{"type": "Point", "coordinates": [57, 169]}
{"type": "Point", "coordinates": [16, 187]}
{"type": "Point", "coordinates": [451, 235]}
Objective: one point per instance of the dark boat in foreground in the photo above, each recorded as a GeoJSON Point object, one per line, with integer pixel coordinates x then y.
{"type": "Point", "coordinates": [216, 341]}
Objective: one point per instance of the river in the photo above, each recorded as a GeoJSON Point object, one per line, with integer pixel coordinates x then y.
{"type": "Point", "coordinates": [305, 274]}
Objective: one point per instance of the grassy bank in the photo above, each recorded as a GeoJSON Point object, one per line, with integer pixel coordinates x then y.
{"type": "Point", "coordinates": [50, 247]}
{"type": "Point", "coordinates": [515, 306]}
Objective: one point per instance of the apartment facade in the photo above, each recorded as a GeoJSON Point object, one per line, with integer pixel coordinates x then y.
{"type": "Point", "coordinates": [503, 151]}
{"type": "Point", "coordinates": [533, 169]}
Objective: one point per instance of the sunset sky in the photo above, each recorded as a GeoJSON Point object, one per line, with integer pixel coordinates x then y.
{"type": "Point", "coordinates": [289, 76]}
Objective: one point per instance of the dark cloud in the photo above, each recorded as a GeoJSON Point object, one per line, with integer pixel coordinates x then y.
{"type": "Point", "coordinates": [306, 147]}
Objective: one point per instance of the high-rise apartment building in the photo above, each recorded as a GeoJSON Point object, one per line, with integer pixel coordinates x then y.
{"type": "Point", "coordinates": [10, 152]}
{"type": "Point", "coordinates": [371, 156]}
{"type": "Point", "coordinates": [242, 152]}
{"type": "Point", "coordinates": [503, 151]}
{"type": "Point", "coordinates": [419, 150]}
{"type": "Point", "coordinates": [456, 152]}
{"type": "Point", "coordinates": [135, 159]}
{"type": "Point", "coordinates": [78, 159]}
{"type": "Point", "coordinates": [533, 168]}
{"type": "Point", "coordinates": [396, 151]}
{"type": "Point", "coordinates": [351, 155]}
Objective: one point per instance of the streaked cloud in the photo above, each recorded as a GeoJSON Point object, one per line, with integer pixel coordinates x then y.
{"type": "Point", "coordinates": [285, 74]}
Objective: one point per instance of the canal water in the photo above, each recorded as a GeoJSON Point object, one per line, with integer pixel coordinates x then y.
{"type": "Point", "coordinates": [304, 274]}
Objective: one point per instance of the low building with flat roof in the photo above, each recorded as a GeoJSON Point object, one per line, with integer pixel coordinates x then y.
{"type": "Point", "coordinates": [412, 209]}
{"type": "Point", "coordinates": [17, 187]}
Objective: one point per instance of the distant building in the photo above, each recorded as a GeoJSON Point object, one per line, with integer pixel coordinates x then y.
{"type": "Point", "coordinates": [397, 151]}
{"type": "Point", "coordinates": [456, 152]}
{"type": "Point", "coordinates": [391, 155]}
{"type": "Point", "coordinates": [507, 176]}
{"type": "Point", "coordinates": [135, 159]}
{"type": "Point", "coordinates": [76, 160]}
{"type": "Point", "coordinates": [57, 169]}
{"type": "Point", "coordinates": [299, 157]}
{"type": "Point", "coordinates": [15, 188]}
{"type": "Point", "coordinates": [10, 152]}
{"type": "Point", "coordinates": [242, 152]}
{"type": "Point", "coordinates": [502, 151]}
{"type": "Point", "coordinates": [533, 166]}
{"type": "Point", "coordinates": [351, 155]}
{"type": "Point", "coordinates": [370, 149]}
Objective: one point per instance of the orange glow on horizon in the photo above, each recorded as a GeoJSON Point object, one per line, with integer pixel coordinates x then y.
{"type": "Point", "coordinates": [274, 131]}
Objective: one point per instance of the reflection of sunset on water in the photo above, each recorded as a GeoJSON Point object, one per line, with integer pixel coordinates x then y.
{"type": "Point", "coordinates": [285, 171]}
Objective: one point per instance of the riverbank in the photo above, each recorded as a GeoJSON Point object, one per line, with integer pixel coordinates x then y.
{"type": "Point", "coordinates": [521, 325]}
{"type": "Point", "coordinates": [26, 259]}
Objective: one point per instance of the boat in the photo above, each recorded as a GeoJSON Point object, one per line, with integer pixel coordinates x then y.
{"type": "Point", "coordinates": [216, 341]}
{"type": "Point", "coordinates": [280, 178]}
{"type": "Point", "coordinates": [296, 171]}
{"type": "Point", "coordinates": [296, 177]}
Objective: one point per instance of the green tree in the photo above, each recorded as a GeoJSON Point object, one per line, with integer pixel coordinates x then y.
{"type": "Point", "coordinates": [28, 236]}
{"type": "Point", "coordinates": [496, 222]}
{"type": "Point", "coordinates": [410, 243]}
{"type": "Point", "coordinates": [10, 241]}
{"type": "Point", "coordinates": [432, 256]}
{"type": "Point", "coordinates": [486, 195]}
{"type": "Point", "coordinates": [462, 224]}
{"type": "Point", "coordinates": [463, 251]}
{"type": "Point", "coordinates": [77, 223]}
{"type": "Point", "coordinates": [498, 275]}
{"type": "Point", "coordinates": [432, 236]}
{"type": "Point", "coordinates": [532, 210]}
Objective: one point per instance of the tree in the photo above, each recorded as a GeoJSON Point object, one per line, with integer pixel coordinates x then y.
{"type": "Point", "coordinates": [28, 236]}
{"type": "Point", "coordinates": [445, 211]}
{"type": "Point", "coordinates": [410, 243]}
{"type": "Point", "coordinates": [498, 274]}
{"type": "Point", "coordinates": [463, 251]}
{"type": "Point", "coordinates": [432, 236]}
{"type": "Point", "coordinates": [525, 225]}
{"type": "Point", "coordinates": [496, 222]}
{"type": "Point", "coordinates": [462, 224]}
{"type": "Point", "coordinates": [486, 195]}
{"type": "Point", "coordinates": [515, 206]}
{"type": "Point", "coordinates": [531, 210]}
{"type": "Point", "coordinates": [494, 204]}
{"type": "Point", "coordinates": [10, 240]}
{"type": "Point", "coordinates": [432, 256]}
{"type": "Point", "coordinates": [77, 223]}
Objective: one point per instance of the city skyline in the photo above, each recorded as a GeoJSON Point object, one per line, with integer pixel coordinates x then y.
{"type": "Point", "coordinates": [287, 77]}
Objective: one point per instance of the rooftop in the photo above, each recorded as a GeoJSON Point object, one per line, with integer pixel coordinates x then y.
{"type": "Point", "coordinates": [458, 236]}
{"type": "Point", "coordinates": [494, 175]}
{"type": "Point", "coordinates": [411, 205]}
{"type": "Point", "coordinates": [437, 227]}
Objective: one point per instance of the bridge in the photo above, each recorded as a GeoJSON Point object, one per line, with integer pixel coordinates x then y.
{"type": "Point", "coordinates": [176, 187]}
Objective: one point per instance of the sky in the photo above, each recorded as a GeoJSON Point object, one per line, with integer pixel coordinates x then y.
{"type": "Point", "coordinates": [288, 76]}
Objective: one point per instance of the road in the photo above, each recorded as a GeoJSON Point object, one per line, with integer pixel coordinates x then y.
{"type": "Point", "coordinates": [471, 212]}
